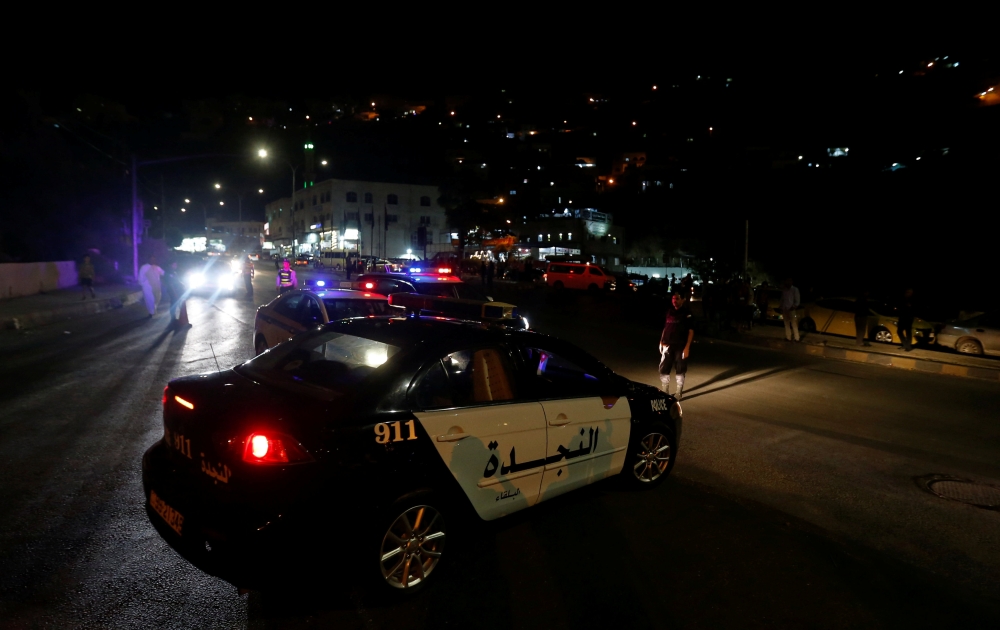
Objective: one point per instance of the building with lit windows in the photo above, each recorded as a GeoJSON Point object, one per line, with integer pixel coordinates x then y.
{"type": "Point", "coordinates": [348, 217]}
{"type": "Point", "coordinates": [582, 234]}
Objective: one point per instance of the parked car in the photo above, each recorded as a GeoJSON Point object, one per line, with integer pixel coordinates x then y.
{"type": "Point", "coordinates": [584, 276]}
{"type": "Point", "coordinates": [976, 335]}
{"type": "Point", "coordinates": [835, 316]}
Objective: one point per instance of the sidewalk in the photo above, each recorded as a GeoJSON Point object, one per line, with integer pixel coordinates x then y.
{"type": "Point", "coordinates": [45, 308]}
{"type": "Point", "coordinates": [845, 349]}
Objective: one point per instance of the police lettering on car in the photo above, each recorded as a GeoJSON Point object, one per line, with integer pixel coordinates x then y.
{"type": "Point", "coordinates": [363, 443]}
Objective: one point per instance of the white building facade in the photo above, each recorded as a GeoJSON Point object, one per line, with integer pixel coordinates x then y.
{"type": "Point", "coordinates": [358, 218]}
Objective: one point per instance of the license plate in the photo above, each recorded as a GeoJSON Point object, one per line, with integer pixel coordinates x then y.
{"type": "Point", "coordinates": [172, 517]}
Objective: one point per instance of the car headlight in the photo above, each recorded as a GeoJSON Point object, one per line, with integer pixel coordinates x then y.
{"type": "Point", "coordinates": [195, 280]}
{"type": "Point", "coordinates": [236, 266]}
{"type": "Point", "coordinates": [676, 412]}
{"type": "Point", "coordinates": [227, 283]}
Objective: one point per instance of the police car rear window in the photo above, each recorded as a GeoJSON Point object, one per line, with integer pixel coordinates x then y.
{"type": "Point", "coordinates": [329, 360]}
{"type": "Point", "coordinates": [440, 289]}
{"type": "Point", "coordinates": [343, 309]}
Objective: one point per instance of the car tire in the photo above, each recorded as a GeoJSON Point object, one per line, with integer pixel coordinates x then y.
{"type": "Point", "coordinates": [412, 529]}
{"type": "Point", "coordinates": [650, 456]}
{"type": "Point", "coordinates": [807, 325]}
{"type": "Point", "coordinates": [968, 345]}
{"type": "Point", "coordinates": [881, 335]}
{"type": "Point", "coordinates": [259, 345]}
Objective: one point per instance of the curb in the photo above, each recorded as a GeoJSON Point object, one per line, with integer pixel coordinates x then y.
{"type": "Point", "coordinates": [40, 318]}
{"type": "Point", "coordinates": [928, 366]}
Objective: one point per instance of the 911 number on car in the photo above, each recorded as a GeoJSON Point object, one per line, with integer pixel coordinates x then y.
{"type": "Point", "coordinates": [382, 432]}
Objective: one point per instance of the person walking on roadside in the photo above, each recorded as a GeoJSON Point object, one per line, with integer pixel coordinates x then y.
{"type": "Point", "coordinates": [861, 313]}
{"type": "Point", "coordinates": [286, 280]}
{"type": "Point", "coordinates": [790, 299]}
{"type": "Point", "coordinates": [277, 263]}
{"type": "Point", "coordinates": [348, 268]}
{"type": "Point", "coordinates": [149, 280]}
{"type": "Point", "coordinates": [905, 326]}
{"type": "Point", "coordinates": [248, 273]}
{"type": "Point", "coordinates": [675, 342]}
{"type": "Point", "coordinates": [86, 274]}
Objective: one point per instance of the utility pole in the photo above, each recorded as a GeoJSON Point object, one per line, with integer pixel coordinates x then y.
{"type": "Point", "coordinates": [135, 222]}
{"type": "Point", "coordinates": [746, 248]}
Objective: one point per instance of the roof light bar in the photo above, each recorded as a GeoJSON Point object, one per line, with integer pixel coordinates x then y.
{"type": "Point", "coordinates": [416, 303]}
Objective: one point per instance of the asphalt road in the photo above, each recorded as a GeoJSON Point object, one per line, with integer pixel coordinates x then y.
{"type": "Point", "coordinates": [794, 502]}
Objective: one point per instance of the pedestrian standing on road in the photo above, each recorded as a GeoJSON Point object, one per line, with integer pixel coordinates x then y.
{"type": "Point", "coordinates": [248, 273]}
{"type": "Point", "coordinates": [86, 274]}
{"type": "Point", "coordinates": [348, 268]}
{"type": "Point", "coordinates": [675, 342]}
{"type": "Point", "coordinates": [149, 280]}
{"type": "Point", "coordinates": [286, 280]}
{"type": "Point", "coordinates": [674, 283]}
{"type": "Point", "coordinates": [790, 300]}
{"type": "Point", "coordinates": [277, 264]}
{"type": "Point", "coordinates": [175, 293]}
{"type": "Point", "coordinates": [905, 326]}
{"type": "Point", "coordinates": [861, 312]}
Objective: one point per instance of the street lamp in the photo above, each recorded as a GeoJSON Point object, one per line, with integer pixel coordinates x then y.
{"type": "Point", "coordinates": [263, 153]}
{"type": "Point", "coordinates": [218, 186]}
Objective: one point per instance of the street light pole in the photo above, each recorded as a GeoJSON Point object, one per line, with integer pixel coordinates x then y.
{"type": "Point", "coordinates": [294, 168]}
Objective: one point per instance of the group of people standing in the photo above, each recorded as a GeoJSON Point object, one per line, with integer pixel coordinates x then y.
{"type": "Point", "coordinates": [153, 279]}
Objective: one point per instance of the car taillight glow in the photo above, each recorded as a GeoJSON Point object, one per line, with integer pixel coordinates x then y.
{"type": "Point", "coordinates": [273, 448]}
{"type": "Point", "coordinates": [165, 389]}
{"type": "Point", "coordinates": [369, 285]}
{"type": "Point", "coordinates": [183, 402]}
{"type": "Point", "coordinates": [259, 446]}
{"type": "Point", "coordinates": [444, 270]}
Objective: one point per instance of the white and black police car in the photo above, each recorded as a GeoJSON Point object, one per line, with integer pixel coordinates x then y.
{"type": "Point", "coordinates": [368, 443]}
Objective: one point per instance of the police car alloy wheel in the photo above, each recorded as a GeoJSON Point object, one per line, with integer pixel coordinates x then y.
{"type": "Point", "coordinates": [651, 458]}
{"type": "Point", "coordinates": [412, 547]}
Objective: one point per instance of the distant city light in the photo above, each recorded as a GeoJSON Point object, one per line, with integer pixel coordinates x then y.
{"type": "Point", "coordinates": [323, 162]}
{"type": "Point", "coordinates": [634, 123]}
{"type": "Point", "coordinates": [373, 103]}
{"type": "Point", "coordinates": [251, 118]}
{"type": "Point", "coordinates": [260, 190]}
{"type": "Point", "coordinates": [222, 203]}
{"type": "Point", "coordinates": [307, 117]}
{"type": "Point", "coordinates": [187, 201]}
{"type": "Point", "coordinates": [918, 159]}
{"type": "Point", "coordinates": [155, 208]}
{"type": "Point", "coordinates": [500, 200]}
{"type": "Point", "coordinates": [217, 186]}
{"type": "Point", "coordinates": [654, 87]}
{"type": "Point", "coordinates": [800, 157]}
{"type": "Point", "coordinates": [452, 113]}
{"type": "Point", "coordinates": [611, 181]}
{"type": "Point", "coordinates": [262, 153]}
{"type": "Point", "coordinates": [930, 65]}
{"type": "Point", "coordinates": [900, 72]}
{"type": "Point", "coordinates": [184, 210]}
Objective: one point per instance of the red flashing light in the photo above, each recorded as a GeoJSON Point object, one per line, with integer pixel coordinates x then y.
{"type": "Point", "coordinates": [369, 285]}
{"type": "Point", "coordinates": [444, 270]}
{"type": "Point", "coordinates": [273, 448]}
{"type": "Point", "coordinates": [165, 389]}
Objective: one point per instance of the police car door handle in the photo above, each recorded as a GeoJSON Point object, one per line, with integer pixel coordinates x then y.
{"type": "Point", "coordinates": [560, 421]}
{"type": "Point", "coordinates": [452, 437]}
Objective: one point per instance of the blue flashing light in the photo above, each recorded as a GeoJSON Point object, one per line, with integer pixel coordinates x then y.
{"type": "Point", "coordinates": [415, 270]}
{"type": "Point", "coordinates": [321, 283]}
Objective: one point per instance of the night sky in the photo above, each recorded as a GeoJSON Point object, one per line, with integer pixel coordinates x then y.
{"type": "Point", "coordinates": [793, 88]}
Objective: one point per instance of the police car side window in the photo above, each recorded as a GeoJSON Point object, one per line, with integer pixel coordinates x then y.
{"type": "Point", "coordinates": [556, 377]}
{"type": "Point", "coordinates": [289, 307]}
{"type": "Point", "coordinates": [311, 313]}
{"type": "Point", "coordinates": [464, 379]}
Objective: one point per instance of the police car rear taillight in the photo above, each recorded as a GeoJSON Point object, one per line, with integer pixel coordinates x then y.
{"type": "Point", "coordinates": [273, 448]}
{"type": "Point", "coordinates": [369, 285]}
{"type": "Point", "coordinates": [165, 390]}
{"type": "Point", "coordinates": [444, 270]}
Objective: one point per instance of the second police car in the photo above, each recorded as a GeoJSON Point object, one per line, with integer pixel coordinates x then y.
{"type": "Point", "coordinates": [362, 445]}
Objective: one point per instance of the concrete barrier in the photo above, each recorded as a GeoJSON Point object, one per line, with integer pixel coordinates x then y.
{"type": "Point", "coordinates": [21, 279]}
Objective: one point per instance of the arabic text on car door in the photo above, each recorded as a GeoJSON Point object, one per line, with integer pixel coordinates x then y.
{"type": "Point", "coordinates": [491, 438]}
{"type": "Point", "coordinates": [587, 427]}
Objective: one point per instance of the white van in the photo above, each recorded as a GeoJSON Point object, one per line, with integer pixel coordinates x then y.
{"type": "Point", "coordinates": [584, 276]}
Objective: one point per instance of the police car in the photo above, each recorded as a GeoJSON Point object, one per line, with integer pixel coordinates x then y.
{"type": "Point", "coordinates": [439, 281]}
{"type": "Point", "coordinates": [297, 310]}
{"type": "Point", "coordinates": [362, 447]}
